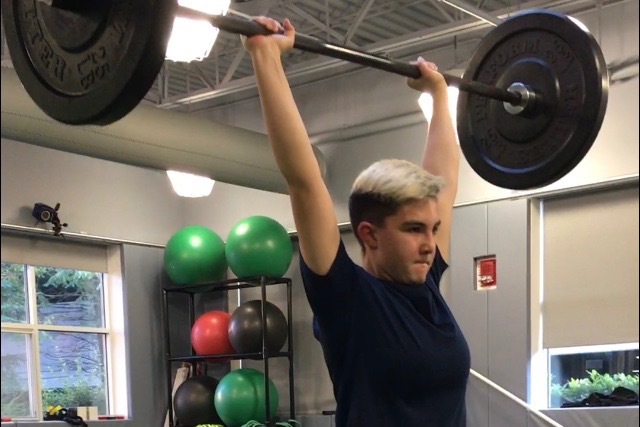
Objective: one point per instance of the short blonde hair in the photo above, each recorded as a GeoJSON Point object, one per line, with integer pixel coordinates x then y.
{"type": "Point", "coordinates": [397, 180]}
{"type": "Point", "coordinates": [384, 186]}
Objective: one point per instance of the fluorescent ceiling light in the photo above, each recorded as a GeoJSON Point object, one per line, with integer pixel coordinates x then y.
{"type": "Point", "coordinates": [192, 39]}
{"type": "Point", "coordinates": [188, 185]}
{"type": "Point", "coordinates": [426, 104]}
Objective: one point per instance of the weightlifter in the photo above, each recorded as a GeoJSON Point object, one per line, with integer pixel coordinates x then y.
{"type": "Point", "coordinates": [394, 351]}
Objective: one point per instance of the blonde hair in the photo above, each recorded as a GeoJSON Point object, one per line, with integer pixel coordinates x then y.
{"type": "Point", "coordinates": [384, 186]}
{"type": "Point", "coordinates": [397, 180]}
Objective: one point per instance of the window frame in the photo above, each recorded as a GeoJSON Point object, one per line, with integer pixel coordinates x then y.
{"type": "Point", "coordinates": [539, 370]}
{"type": "Point", "coordinates": [113, 334]}
{"type": "Point", "coordinates": [565, 351]}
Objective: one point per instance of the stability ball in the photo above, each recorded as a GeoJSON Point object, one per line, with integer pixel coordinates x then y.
{"type": "Point", "coordinates": [195, 254]}
{"type": "Point", "coordinates": [210, 334]}
{"type": "Point", "coordinates": [193, 402]}
{"type": "Point", "coordinates": [240, 397]}
{"type": "Point", "coordinates": [245, 327]}
{"type": "Point", "coordinates": [258, 246]}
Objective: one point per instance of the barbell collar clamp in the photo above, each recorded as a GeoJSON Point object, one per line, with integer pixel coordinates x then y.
{"type": "Point", "coordinates": [527, 98]}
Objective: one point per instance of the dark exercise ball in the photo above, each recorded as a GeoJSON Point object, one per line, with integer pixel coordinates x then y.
{"type": "Point", "coordinates": [245, 327]}
{"type": "Point", "coordinates": [194, 401]}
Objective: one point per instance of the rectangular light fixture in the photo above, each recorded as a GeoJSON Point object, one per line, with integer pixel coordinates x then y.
{"type": "Point", "coordinates": [426, 105]}
{"type": "Point", "coordinates": [188, 185]}
{"type": "Point", "coordinates": [193, 39]}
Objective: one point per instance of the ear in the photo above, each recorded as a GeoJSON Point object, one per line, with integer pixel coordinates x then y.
{"type": "Point", "coordinates": [367, 233]}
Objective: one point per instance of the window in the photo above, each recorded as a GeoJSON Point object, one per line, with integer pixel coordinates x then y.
{"type": "Point", "coordinates": [57, 328]}
{"type": "Point", "coordinates": [586, 330]}
{"type": "Point", "coordinates": [576, 373]}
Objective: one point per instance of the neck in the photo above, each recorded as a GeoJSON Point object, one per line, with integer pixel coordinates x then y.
{"type": "Point", "coordinates": [373, 269]}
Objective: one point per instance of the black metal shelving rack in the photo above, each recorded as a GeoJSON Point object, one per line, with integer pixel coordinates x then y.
{"type": "Point", "coordinates": [265, 355]}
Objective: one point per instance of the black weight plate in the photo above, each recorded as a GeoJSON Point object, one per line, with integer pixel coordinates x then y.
{"type": "Point", "coordinates": [563, 64]}
{"type": "Point", "coordinates": [91, 63]}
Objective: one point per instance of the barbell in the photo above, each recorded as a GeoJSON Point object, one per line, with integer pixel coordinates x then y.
{"type": "Point", "coordinates": [531, 101]}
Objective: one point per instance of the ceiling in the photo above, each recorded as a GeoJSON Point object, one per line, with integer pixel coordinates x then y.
{"type": "Point", "coordinates": [397, 29]}
{"type": "Point", "coordinates": [394, 28]}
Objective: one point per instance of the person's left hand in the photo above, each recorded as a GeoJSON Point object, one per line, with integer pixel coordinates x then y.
{"type": "Point", "coordinates": [282, 39]}
{"type": "Point", "coordinates": [430, 80]}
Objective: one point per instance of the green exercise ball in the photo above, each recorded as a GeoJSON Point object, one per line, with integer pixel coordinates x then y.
{"type": "Point", "coordinates": [258, 246]}
{"type": "Point", "coordinates": [240, 397]}
{"type": "Point", "coordinates": [195, 254]}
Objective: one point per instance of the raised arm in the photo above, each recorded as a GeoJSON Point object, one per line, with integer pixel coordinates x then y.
{"type": "Point", "coordinates": [441, 153]}
{"type": "Point", "coordinates": [313, 210]}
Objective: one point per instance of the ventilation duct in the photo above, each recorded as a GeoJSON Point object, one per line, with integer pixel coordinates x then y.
{"type": "Point", "coordinates": [150, 137]}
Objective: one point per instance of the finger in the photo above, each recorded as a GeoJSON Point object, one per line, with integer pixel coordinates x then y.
{"type": "Point", "coordinates": [269, 23]}
{"type": "Point", "coordinates": [287, 25]}
{"type": "Point", "coordinates": [426, 67]}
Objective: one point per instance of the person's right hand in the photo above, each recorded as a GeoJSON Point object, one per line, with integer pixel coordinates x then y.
{"type": "Point", "coordinates": [282, 39]}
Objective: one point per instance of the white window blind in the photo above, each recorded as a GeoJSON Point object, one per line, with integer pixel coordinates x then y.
{"type": "Point", "coordinates": [57, 253]}
{"type": "Point", "coordinates": [590, 269]}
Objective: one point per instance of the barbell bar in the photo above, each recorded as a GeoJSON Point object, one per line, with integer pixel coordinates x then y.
{"type": "Point", "coordinates": [531, 101]}
{"type": "Point", "coordinates": [246, 27]}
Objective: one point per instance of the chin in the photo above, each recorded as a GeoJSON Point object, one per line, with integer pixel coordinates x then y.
{"type": "Point", "coordinates": [419, 278]}
{"type": "Point", "coordinates": [416, 281]}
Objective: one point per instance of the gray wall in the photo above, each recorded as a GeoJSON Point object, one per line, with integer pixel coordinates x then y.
{"type": "Point", "coordinates": [495, 322]}
{"type": "Point", "coordinates": [97, 197]}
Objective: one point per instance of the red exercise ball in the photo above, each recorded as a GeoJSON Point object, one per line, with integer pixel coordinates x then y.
{"type": "Point", "coordinates": [210, 333]}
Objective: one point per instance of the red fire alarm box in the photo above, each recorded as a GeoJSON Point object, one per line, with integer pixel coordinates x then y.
{"type": "Point", "coordinates": [486, 272]}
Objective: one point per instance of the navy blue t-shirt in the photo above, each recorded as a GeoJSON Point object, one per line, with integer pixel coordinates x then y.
{"type": "Point", "coordinates": [395, 353]}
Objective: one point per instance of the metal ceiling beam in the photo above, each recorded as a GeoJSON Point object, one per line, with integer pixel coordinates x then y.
{"type": "Point", "coordinates": [356, 23]}
{"type": "Point", "coordinates": [436, 4]}
{"type": "Point", "coordinates": [473, 11]}
{"type": "Point", "coordinates": [202, 75]}
{"type": "Point", "coordinates": [234, 66]}
{"type": "Point", "coordinates": [315, 21]}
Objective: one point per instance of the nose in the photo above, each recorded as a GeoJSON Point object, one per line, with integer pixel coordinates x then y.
{"type": "Point", "coordinates": [428, 243]}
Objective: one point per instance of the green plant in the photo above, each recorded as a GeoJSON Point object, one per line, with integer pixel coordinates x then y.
{"type": "Point", "coordinates": [576, 390]}
{"type": "Point", "coordinates": [75, 394]}
{"type": "Point", "coordinates": [16, 404]}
